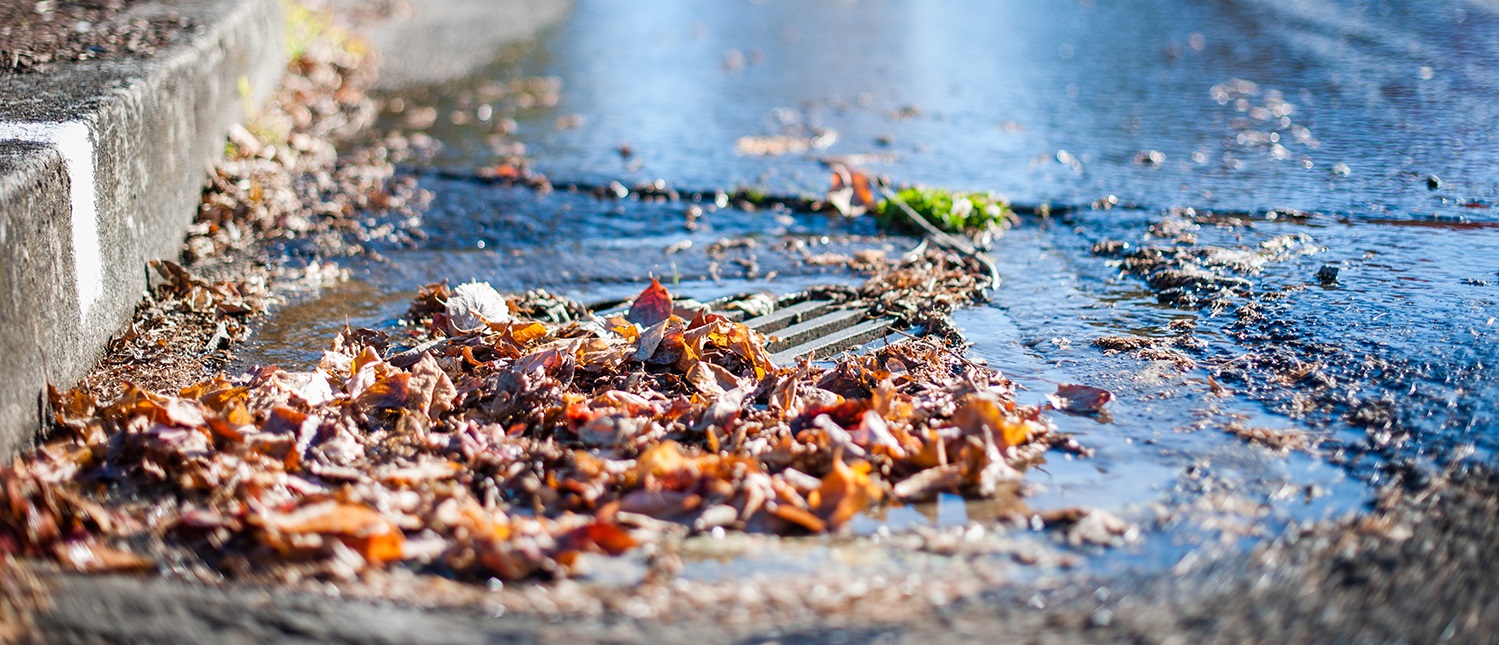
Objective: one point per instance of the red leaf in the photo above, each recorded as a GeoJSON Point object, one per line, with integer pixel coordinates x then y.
{"type": "Point", "coordinates": [1083, 399]}
{"type": "Point", "coordinates": [652, 305]}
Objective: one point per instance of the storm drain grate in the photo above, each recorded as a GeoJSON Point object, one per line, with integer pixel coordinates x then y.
{"type": "Point", "coordinates": [800, 324]}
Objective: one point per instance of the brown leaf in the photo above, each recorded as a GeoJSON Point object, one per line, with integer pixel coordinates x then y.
{"type": "Point", "coordinates": [725, 409]}
{"type": "Point", "coordinates": [652, 305]}
{"type": "Point", "coordinates": [389, 392]}
{"type": "Point", "coordinates": [600, 355]}
{"type": "Point", "coordinates": [928, 483]}
{"type": "Point", "coordinates": [431, 392]}
{"type": "Point", "coordinates": [711, 379]}
{"type": "Point", "coordinates": [545, 360]}
{"type": "Point", "coordinates": [337, 518]}
{"type": "Point", "coordinates": [662, 460]}
{"type": "Point", "coordinates": [849, 191]}
{"type": "Point", "coordinates": [1080, 399]}
{"type": "Point", "coordinates": [650, 339]}
{"type": "Point", "coordinates": [284, 420]}
{"type": "Point", "coordinates": [360, 527]}
{"type": "Point", "coordinates": [70, 407]}
{"type": "Point", "coordinates": [660, 504]}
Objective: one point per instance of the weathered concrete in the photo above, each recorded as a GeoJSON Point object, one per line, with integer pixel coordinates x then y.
{"type": "Point", "coordinates": [434, 41]}
{"type": "Point", "coordinates": [101, 169]}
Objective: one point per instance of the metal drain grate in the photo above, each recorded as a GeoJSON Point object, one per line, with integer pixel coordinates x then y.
{"type": "Point", "coordinates": [800, 325]}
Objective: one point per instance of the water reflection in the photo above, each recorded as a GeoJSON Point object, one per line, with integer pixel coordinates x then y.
{"type": "Point", "coordinates": [1061, 102]}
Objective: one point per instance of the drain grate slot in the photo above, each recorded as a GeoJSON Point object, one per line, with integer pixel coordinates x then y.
{"type": "Point", "coordinates": [788, 316]}
{"type": "Point", "coordinates": [820, 326]}
{"type": "Point", "coordinates": [799, 327]}
{"type": "Point", "coordinates": [846, 339]}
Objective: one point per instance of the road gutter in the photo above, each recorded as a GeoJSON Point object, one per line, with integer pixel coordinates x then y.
{"type": "Point", "coordinates": [101, 170]}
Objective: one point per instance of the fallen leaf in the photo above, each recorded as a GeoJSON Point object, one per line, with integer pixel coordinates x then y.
{"type": "Point", "coordinates": [984, 415]}
{"type": "Point", "coordinates": [712, 379]}
{"type": "Point", "coordinates": [336, 518]}
{"type": "Point", "coordinates": [650, 339]}
{"type": "Point", "coordinates": [430, 391]}
{"type": "Point", "coordinates": [660, 504]}
{"type": "Point", "coordinates": [605, 537]}
{"type": "Point", "coordinates": [800, 517]}
{"type": "Point", "coordinates": [473, 305]}
{"type": "Point", "coordinates": [386, 393]}
{"type": "Point", "coordinates": [652, 305]}
{"type": "Point", "coordinates": [846, 491]}
{"type": "Point", "coordinates": [1079, 399]}
{"type": "Point", "coordinates": [359, 527]}
{"type": "Point", "coordinates": [86, 556]}
{"type": "Point", "coordinates": [928, 483]}
{"type": "Point", "coordinates": [725, 409]}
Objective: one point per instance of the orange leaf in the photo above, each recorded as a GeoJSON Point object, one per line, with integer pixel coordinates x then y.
{"type": "Point", "coordinates": [603, 536]}
{"type": "Point", "coordinates": [378, 549]}
{"type": "Point", "coordinates": [799, 517]}
{"type": "Point", "coordinates": [984, 414]}
{"type": "Point", "coordinates": [845, 492]}
{"type": "Point", "coordinates": [335, 518]}
{"type": "Point", "coordinates": [389, 392]}
{"type": "Point", "coordinates": [861, 188]}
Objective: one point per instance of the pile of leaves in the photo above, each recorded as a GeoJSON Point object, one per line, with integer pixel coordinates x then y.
{"type": "Point", "coordinates": [284, 189]}
{"type": "Point", "coordinates": [181, 332]}
{"type": "Point", "coordinates": [509, 438]}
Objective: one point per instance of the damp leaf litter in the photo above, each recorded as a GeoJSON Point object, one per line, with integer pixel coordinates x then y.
{"type": "Point", "coordinates": [507, 449]}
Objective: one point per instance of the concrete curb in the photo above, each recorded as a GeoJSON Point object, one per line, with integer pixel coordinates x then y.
{"type": "Point", "coordinates": [101, 169]}
{"type": "Point", "coordinates": [438, 41]}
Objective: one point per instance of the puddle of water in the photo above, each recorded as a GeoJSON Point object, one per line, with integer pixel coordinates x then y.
{"type": "Point", "coordinates": [294, 336]}
{"type": "Point", "coordinates": [1038, 329]}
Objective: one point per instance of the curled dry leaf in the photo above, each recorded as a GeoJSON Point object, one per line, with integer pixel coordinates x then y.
{"type": "Point", "coordinates": [1080, 399]}
{"type": "Point", "coordinates": [988, 416]}
{"type": "Point", "coordinates": [87, 556]}
{"type": "Point", "coordinates": [361, 528]}
{"type": "Point", "coordinates": [473, 305]}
